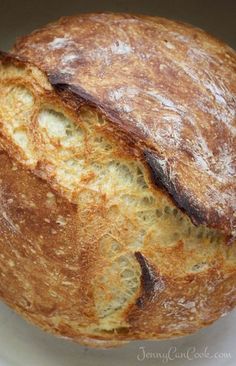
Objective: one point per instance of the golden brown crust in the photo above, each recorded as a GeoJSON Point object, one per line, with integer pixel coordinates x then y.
{"type": "Point", "coordinates": [55, 291]}
{"type": "Point", "coordinates": [105, 266]}
{"type": "Point", "coordinates": [169, 86]}
{"type": "Point", "coordinates": [184, 302]}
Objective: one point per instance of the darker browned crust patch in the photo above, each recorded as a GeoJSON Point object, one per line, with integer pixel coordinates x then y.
{"type": "Point", "coordinates": [151, 282]}
{"type": "Point", "coordinates": [161, 173]}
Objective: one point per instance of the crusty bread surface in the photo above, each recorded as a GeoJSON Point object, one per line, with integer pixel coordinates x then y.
{"type": "Point", "coordinates": [117, 178]}
{"type": "Point", "coordinates": [170, 87]}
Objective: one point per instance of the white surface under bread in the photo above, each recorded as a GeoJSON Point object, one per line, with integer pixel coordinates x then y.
{"type": "Point", "coordinates": [22, 344]}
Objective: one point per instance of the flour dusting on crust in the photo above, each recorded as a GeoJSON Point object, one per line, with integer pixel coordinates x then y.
{"type": "Point", "coordinates": [168, 85]}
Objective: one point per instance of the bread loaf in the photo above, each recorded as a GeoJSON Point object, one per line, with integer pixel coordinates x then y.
{"type": "Point", "coordinates": [118, 178]}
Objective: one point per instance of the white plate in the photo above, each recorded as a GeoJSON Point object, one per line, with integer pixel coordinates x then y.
{"type": "Point", "coordinates": [22, 344]}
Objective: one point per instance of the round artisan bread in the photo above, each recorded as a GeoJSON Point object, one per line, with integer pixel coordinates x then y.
{"type": "Point", "coordinates": [117, 178]}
